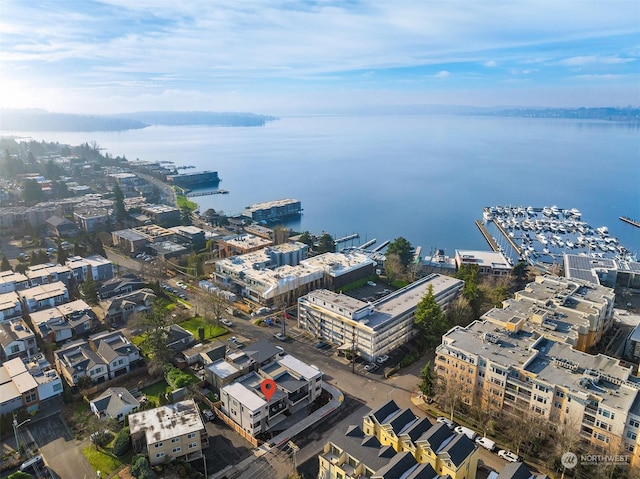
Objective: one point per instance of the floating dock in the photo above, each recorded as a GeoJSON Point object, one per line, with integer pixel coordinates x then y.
{"type": "Point", "coordinates": [626, 219]}
{"type": "Point", "coordinates": [347, 238]}
{"type": "Point", "coordinates": [492, 243]}
{"type": "Point", "coordinates": [206, 193]}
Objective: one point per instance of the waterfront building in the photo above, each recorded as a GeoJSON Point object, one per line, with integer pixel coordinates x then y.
{"type": "Point", "coordinates": [573, 311]}
{"type": "Point", "coordinates": [273, 211]}
{"type": "Point", "coordinates": [192, 180]}
{"type": "Point", "coordinates": [377, 327]}
{"type": "Point", "coordinates": [611, 272]}
{"type": "Point", "coordinates": [523, 372]}
{"type": "Point", "coordinates": [340, 269]}
{"type": "Point", "coordinates": [490, 263]}
{"type": "Point", "coordinates": [174, 431]}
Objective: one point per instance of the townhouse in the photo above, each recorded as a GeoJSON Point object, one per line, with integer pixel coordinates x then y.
{"type": "Point", "coordinates": [16, 340]}
{"type": "Point", "coordinates": [10, 306]}
{"type": "Point", "coordinates": [10, 281]}
{"type": "Point", "coordinates": [44, 296]}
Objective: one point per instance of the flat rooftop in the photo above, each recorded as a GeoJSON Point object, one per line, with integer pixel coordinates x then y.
{"type": "Point", "coordinates": [270, 204]}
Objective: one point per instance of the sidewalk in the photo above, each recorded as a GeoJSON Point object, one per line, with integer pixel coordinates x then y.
{"type": "Point", "coordinates": [337, 398]}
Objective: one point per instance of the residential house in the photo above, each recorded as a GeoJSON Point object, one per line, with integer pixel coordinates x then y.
{"type": "Point", "coordinates": [44, 296]}
{"type": "Point", "coordinates": [120, 285]}
{"type": "Point", "coordinates": [174, 431]}
{"type": "Point", "coordinates": [16, 340]}
{"type": "Point", "coordinates": [205, 352]}
{"type": "Point", "coordinates": [297, 386]}
{"type": "Point", "coordinates": [10, 281]}
{"type": "Point", "coordinates": [115, 403]}
{"type": "Point", "coordinates": [18, 388]}
{"type": "Point", "coordinates": [46, 377]}
{"type": "Point", "coordinates": [178, 338]}
{"type": "Point", "coordinates": [117, 310]}
{"type": "Point", "coordinates": [516, 470]}
{"type": "Point", "coordinates": [62, 227]}
{"type": "Point", "coordinates": [10, 306]}
{"type": "Point", "coordinates": [65, 321]}
{"type": "Point", "coordinates": [117, 351]}
{"type": "Point", "coordinates": [77, 360]}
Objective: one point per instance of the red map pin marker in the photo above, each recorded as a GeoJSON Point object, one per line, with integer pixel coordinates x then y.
{"type": "Point", "coordinates": [268, 387]}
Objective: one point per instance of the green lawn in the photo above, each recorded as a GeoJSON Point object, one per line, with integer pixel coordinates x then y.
{"type": "Point", "coordinates": [210, 332]}
{"type": "Point", "coordinates": [102, 460]}
{"type": "Point", "coordinates": [153, 392]}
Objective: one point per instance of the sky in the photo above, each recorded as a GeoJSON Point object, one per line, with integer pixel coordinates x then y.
{"type": "Point", "coordinates": [288, 56]}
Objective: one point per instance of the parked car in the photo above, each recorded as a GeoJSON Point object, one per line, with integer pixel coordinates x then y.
{"type": "Point", "coordinates": [508, 455]}
{"type": "Point", "coordinates": [32, 463]}
{"type": "Point", "coordinates": [382, 359]}
{"type": "Point", "coordinates": [280, 336]}
{"type": "Point", "coordinates": [445, 420]}
{"type": "Point", "coordinates": [322, 345]}
{"type": "Point", "coordinates": [208, 415]}
{"type": "Point", "coordinates": [370, 367]}
{"type": "Point", "coordinates": [371, 283]}
{"type": "Point", "coordinates": [470, 433]}
{"type": "Point", "coordinates": [226, 322]}
{"type": "Point", "coordinates": [486, 443]}
{"type": "Point", "coordinates": [233, 339]}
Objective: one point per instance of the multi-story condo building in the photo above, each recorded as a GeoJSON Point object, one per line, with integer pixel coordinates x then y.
{"type": "Point", "coordinates": [241, 244]}
{"type": "Point", "coordinates": [573, 311]}
{"type": "Point", "coordinates": [297, 386]}
{"type": "Point", "coordinates": [48, 273]}
{"type": "Point", "coordinates": [162, 215]}
{"type": "Point", "coordinates": [169, 432]}
{"type": "Point", "coordinates": [375, 328]}
{"type": "Point", "coordinates": [393, 442]}
{"type": "Point", "coordinates": [92, 219]}
{"type": "Point", "coordinates": [604, 271]}
{"type": "Point", "coordinates": [273, 211]}
{"type": "Point", "coordinates": [524, 372]}
{"type": "Point", "coordinates": [44, 296]}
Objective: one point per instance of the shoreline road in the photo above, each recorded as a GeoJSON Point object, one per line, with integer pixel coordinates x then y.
{"type": "Point", "coordinates": [167, 193]}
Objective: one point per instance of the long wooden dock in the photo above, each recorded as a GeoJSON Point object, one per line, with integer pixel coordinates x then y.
{"type": "Point", "coordinates": [492, 243]}
{"type": "Point", "coordinates": [206, 193]}
{"type": "Point", "coordinates": [626, 219]}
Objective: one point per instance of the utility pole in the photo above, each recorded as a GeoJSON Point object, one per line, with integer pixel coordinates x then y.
{"type": "Point", "coordinates": [15, 430]}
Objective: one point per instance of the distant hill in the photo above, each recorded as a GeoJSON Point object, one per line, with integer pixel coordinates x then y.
{"type": "Point", "coordinates": [41, 120]}
{"type": "Point", "coordinates": [607, 113]}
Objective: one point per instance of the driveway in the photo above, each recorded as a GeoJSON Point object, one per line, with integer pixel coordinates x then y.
{"type": "Point", "coordinates": [62, 453]}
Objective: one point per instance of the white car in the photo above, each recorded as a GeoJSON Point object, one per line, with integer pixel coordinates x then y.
{"type": "Point", "coordinates": [226, 322]}
{"type": "Point", "coordinates": [445, 420]}
{"type": "Point", "coordinates": [470, 433]}
{"type": "Point", "coordinates": [382, 359]}
{"type": "Point", "coordinates": [371, 283]}
{"type": "Point", "coordinates": [508, 455]}
{"type": "Point", "coordinates": [486, 443]}
{"type": "Point", "coordinates": [233, 339]}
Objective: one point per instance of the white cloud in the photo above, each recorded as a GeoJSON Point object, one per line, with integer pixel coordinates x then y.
{"type": "Point", "coordinates": [491, 64]}
{"type": "Point", "coordinates": [442, 74]}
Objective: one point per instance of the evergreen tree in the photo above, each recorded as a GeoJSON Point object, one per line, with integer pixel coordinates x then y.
{"type": "Point", "coordinates": [31, 191]}
{"type": "Point", "coordinates": [5, 266]}
{"type": "Point", "coordinates": [62, 256]}
{"type": "Point", "coordinates": [430, 319]}
{"type": "Point", "coordinates": [306, 239]}
{"type": "Point", "coordinates": [427, 381]}
{"type": "Point", "coordinates": [326, 244]}
{"type": "Point", "coordinates": [120, 210]}
{"type": "Point", "coordinates": [403, 249]}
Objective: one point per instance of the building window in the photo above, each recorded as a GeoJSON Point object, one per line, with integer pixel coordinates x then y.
{"type": "Point", "coordinates": [160, 454]}
{"type": "Point", "coordinates": [191, 435]}
{"type": "Point", "coordinates": [175, 439]}
{"type": "Point", "coordinates": [560, 394]}
{"type": "Point", "coordinates": [632, 435]}
{"type": "Point", "coordinates": [192, 445]}
{"type": "Point", "coordinates": [634, 423]}
{"type": "Point", "coordinates": [176, 449]}
{"type": "Point", "coordinates": [158, 444]}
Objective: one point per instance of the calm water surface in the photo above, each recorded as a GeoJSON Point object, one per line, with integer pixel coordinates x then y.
{"type": "Point", "coordinates": [422, 177]}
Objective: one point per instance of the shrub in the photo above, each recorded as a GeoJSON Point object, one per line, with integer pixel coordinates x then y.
{"type": "Point", "coordinates": [122, 443]}
{"type": "Point", "coordinates": [141, 469]}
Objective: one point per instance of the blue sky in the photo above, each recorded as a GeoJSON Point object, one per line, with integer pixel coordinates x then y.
{"type": "Point", "coordinates": [279, 57]}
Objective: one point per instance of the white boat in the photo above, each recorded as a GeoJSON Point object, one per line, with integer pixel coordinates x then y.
{"type": "Point", "coordinates": [575, 212]}
{"type": "Point", "coordinates": [547, 211]}
{"type": "Point", "coordinates": [602, 231]}
{"type": "Point", "coordinates": [545, 250]}
{"type": "Point", "coordinates": [487, 215]}
{"type": "Point", "coordinates": [555, 211]}
{"type": "Point", "coordinates": [570, 244]}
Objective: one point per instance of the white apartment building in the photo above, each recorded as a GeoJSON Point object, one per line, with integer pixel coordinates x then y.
{"type": "Point", "coordinates": [10, 281]}
{"type": "Point", "coordinates": [378, 327]}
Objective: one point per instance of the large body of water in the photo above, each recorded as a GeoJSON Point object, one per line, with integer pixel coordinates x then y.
{"type": "Point", "coordinates": [425, 178]}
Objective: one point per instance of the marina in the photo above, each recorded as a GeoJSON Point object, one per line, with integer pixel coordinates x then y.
{"type": "Point", "coordinates": [543, 235]}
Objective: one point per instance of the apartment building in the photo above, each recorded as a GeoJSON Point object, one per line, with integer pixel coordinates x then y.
{"type": "Point", "coordinates": [162, 215]}
{"type": "Point", "coordinates": [169, 432]}
{"type": "Point", "coordinates": [241, 244]}
{"type": "Point", "coordinates": [92, 219]}
{"type": "Point", "coordinates": [377, 327]}
{"type": "Point", "coordinates": [95, 267]}
{"type": "Point", "coordinates": [48, 273]}
{"type": "Point", "coordinates": [527, 373]}
{"type": "Point", "coordinates": [393, 442]}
